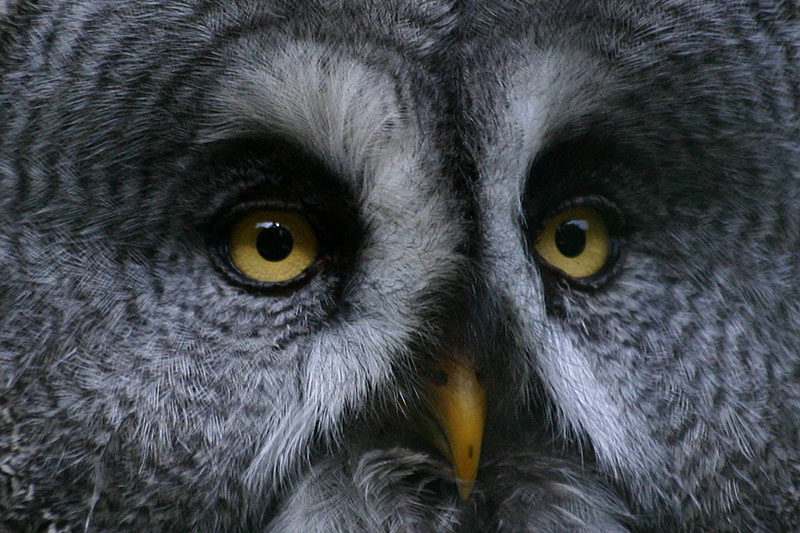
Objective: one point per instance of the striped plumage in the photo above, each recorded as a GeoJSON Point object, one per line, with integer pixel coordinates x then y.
{"type": "Point", "coordinates": [147, 384]}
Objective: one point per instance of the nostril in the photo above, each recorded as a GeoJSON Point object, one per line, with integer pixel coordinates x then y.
{"type": "Point", "coordinates": [440, 378]}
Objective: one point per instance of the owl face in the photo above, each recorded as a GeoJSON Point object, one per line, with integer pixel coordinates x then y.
{"type": "Point", "coordinates": [400, 266]}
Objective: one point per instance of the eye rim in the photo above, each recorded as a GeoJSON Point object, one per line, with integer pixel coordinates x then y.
{"type": "Point", "coordinates": [219, 245]}
{"type": "Point", "coordinates": [615, 225]}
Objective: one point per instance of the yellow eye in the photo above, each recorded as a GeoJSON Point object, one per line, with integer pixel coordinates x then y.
{"type": "Point", "coordinates": [576, 241]}
{"type": "Point", "coordinates": [272, 246]}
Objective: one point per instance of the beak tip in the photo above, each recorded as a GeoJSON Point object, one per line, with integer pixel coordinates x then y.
{"type": "Point", "coordinates": [465, 489]}
{"type": "Point", "coordinates": [465, 473]}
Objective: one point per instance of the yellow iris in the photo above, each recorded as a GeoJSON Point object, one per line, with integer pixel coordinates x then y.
{"type": "Point", "coordinates": [272, 246]}
{"type": "Point", "coordinates": [575, 241]}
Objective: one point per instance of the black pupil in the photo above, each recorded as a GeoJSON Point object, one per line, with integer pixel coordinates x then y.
{"type": "Point", "coordinates": [571, 237]}
{"type": "Point", "coordinates": [274, 241]}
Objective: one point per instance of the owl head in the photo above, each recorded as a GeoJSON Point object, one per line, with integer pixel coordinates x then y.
{"type": "Point", "coordinates": [399, 266]}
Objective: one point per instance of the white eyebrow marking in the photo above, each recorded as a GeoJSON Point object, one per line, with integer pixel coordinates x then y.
{"type": "Point", "coordinates": [331, 105]}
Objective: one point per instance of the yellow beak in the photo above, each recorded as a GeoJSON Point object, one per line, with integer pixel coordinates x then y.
{"type": "Point", "coordinates": [458, 406]}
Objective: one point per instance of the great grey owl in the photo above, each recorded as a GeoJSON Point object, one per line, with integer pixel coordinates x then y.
{"type": "Point", "coordinates": [399, 265]}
